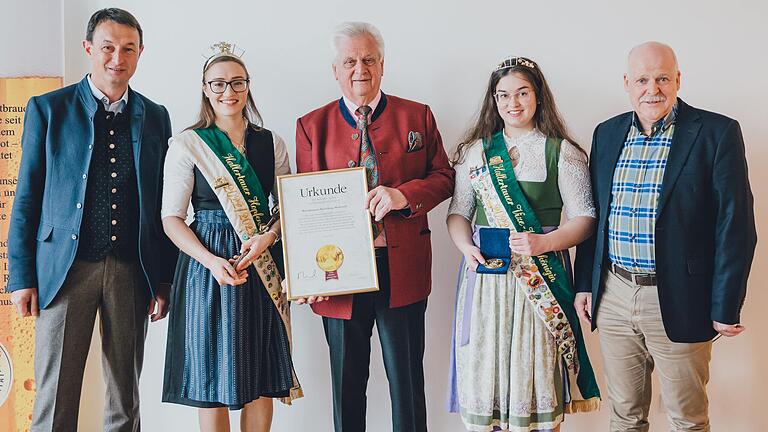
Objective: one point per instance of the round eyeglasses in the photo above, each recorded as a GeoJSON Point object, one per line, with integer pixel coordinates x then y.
{"type": "Point", "coordinates": [504, 98]}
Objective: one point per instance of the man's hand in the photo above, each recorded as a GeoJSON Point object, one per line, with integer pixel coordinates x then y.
{"type": "Point", "coordinates": [583, 305]}
{"type": "Point", "coordinates": [311, 299]}
{"type": "Point", "coordinates": [161, 302]}
{"type": "Point", "coordinates": [26, 302]}
{"type": "Point", "coordinates": [728, 329]}
{"type": "Point", "coordinates": [381, 200]}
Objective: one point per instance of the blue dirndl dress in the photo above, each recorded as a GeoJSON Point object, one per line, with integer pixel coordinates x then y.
{"type": "Point", "coordinates": [227, 345]}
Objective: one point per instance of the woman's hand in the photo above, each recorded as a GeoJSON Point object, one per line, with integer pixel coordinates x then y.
{"type": "Point", "coordinates": [254, 247]}
{"type": "Point", "coordinates": [528, 243]}
{"type": "Point", "coordinates": [224, 272]}
{"type": "Point", "coordinates": [472, 256]}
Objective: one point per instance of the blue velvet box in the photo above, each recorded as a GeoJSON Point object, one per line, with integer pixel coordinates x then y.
{"type": "Point", "coordinates": [494, 244]}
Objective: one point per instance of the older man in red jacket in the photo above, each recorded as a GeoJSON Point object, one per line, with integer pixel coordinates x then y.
{"type": "Point", "coordinates": [408, 174]}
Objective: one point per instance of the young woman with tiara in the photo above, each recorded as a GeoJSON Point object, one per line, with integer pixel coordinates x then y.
{"type": "Point", "coordinates": [229, 332]}
{"type": "Point", "coordinates": [518, 357]}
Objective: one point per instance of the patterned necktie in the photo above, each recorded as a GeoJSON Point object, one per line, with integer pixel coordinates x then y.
{"type": "Point", "coordinates": [368, 158]}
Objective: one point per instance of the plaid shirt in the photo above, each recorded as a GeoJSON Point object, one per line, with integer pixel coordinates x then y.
{"type": "Point", "coordinates": [636, 188]}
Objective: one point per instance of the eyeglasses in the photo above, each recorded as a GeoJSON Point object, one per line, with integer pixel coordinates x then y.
{"type": "Point", "coordinates": [238, 85]}
{"type": "Point", "coordinates": [503, 98]}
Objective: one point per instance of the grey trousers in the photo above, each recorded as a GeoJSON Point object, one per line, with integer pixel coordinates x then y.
{"type": "Point", "coordinates": [116, 289]}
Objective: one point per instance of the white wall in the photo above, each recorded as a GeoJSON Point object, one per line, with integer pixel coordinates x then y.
{"type": "Point", "coordinates": [31, 53]}
{"type": "Point", "coordinates": [442, 54]}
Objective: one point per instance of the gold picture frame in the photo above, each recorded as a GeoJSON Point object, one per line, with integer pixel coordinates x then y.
{"type": "Point", "coordinates": [327, 234]}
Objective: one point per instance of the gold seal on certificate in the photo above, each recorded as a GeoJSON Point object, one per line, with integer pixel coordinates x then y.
{"type": "Point", "coordinates": [327, 233]}
{"type": "Point", "coordinates": [329, 258]}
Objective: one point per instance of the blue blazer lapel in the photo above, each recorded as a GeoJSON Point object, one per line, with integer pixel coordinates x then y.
{"type": "Point", "coordinates": [87, 98]}
{"type": "Point", "coordinates": [90, 105]}
{"type": "Point", "coordinates": [84, 128]}
{"type": "Point", "coordinates": [687, 126]}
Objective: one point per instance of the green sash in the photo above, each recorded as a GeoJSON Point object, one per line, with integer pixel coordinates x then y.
{"type": "Point", "coordinates": [237, 165]}
{"type": "Point", "coordinates": [525, 220]}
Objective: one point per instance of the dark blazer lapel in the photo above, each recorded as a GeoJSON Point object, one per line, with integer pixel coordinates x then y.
{"type": "Point", "coordinates": [137, 128]}
{"type": "Point", "coordinates": [612, 146]}
{"type": "Point", "coordinates": [687, 126]}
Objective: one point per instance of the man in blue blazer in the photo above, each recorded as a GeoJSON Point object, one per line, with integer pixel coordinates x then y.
{"type": "Point", "coordinates": [85, 232]}
{"type": "Point", "coordinates": [667, 267]}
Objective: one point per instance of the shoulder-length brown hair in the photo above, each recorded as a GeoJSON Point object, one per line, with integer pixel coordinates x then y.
{"type": "Point", "coordinates": [547, 118]}
{"type": "Point", "coordinates": [207, 116]}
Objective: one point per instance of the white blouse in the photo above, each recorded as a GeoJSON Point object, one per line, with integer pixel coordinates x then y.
{"type": "Point", "coordinates": [572, 175]}
{"type": "Point", "coordinates": [179, 177]}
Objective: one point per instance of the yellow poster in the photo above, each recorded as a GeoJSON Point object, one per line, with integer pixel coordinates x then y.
{"type": "Point", "coordinates": [17, 335]}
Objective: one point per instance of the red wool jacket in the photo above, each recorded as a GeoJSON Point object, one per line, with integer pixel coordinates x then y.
{"type": "Point", "coordinates": [326, 139]}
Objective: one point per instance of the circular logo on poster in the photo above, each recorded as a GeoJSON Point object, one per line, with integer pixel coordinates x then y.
{"type": "Point", "coordinates": [6, 374]}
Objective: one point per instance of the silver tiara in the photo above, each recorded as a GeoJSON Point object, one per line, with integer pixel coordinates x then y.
{"type": "Point", "coordinates": [516, 61]}
{"type": "Point", "coordinates": [223, 49]}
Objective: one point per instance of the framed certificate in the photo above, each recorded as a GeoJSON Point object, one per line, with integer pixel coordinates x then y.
{"type": "Point", "coordinates": [327, 234]}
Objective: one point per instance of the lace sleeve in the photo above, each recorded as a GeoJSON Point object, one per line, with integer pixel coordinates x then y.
{"type": "Point", "coordinates": [573, 181]}
{"type": "Point", "coordinates": [463, 201]}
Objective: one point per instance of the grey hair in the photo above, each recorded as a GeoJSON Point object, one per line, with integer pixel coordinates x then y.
{"type": "Point", "coordinates": [352, 29]}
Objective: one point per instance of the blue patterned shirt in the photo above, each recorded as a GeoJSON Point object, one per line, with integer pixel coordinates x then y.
{"type": "Point", "coordinates": [636, 188]}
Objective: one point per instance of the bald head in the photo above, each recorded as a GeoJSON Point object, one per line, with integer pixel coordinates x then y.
{"type": "Point", "coordinates": [652, 81]}
{"type": "Point", "coordinates": [651, 50]}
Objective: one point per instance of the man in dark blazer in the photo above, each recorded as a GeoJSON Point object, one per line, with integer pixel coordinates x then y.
{"type": "Point", "coordinates": [408, 174]}
{"type": "Point", "coordinates": [667, 267]}
{"type": "Point", "coordinates": [85, 232]}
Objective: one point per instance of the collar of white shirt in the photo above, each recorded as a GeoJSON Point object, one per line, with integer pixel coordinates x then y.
{"type": "Point", "coordinates": [353, 108]}
{"type": "Point", "coordinates": [115, 107]}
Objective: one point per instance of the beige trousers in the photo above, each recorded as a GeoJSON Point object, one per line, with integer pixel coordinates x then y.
{"type": "Point", "coordinates": [633, 343]}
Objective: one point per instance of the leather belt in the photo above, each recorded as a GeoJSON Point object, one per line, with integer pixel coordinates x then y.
{"type": "Point", "coordinates": [641, 279]}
